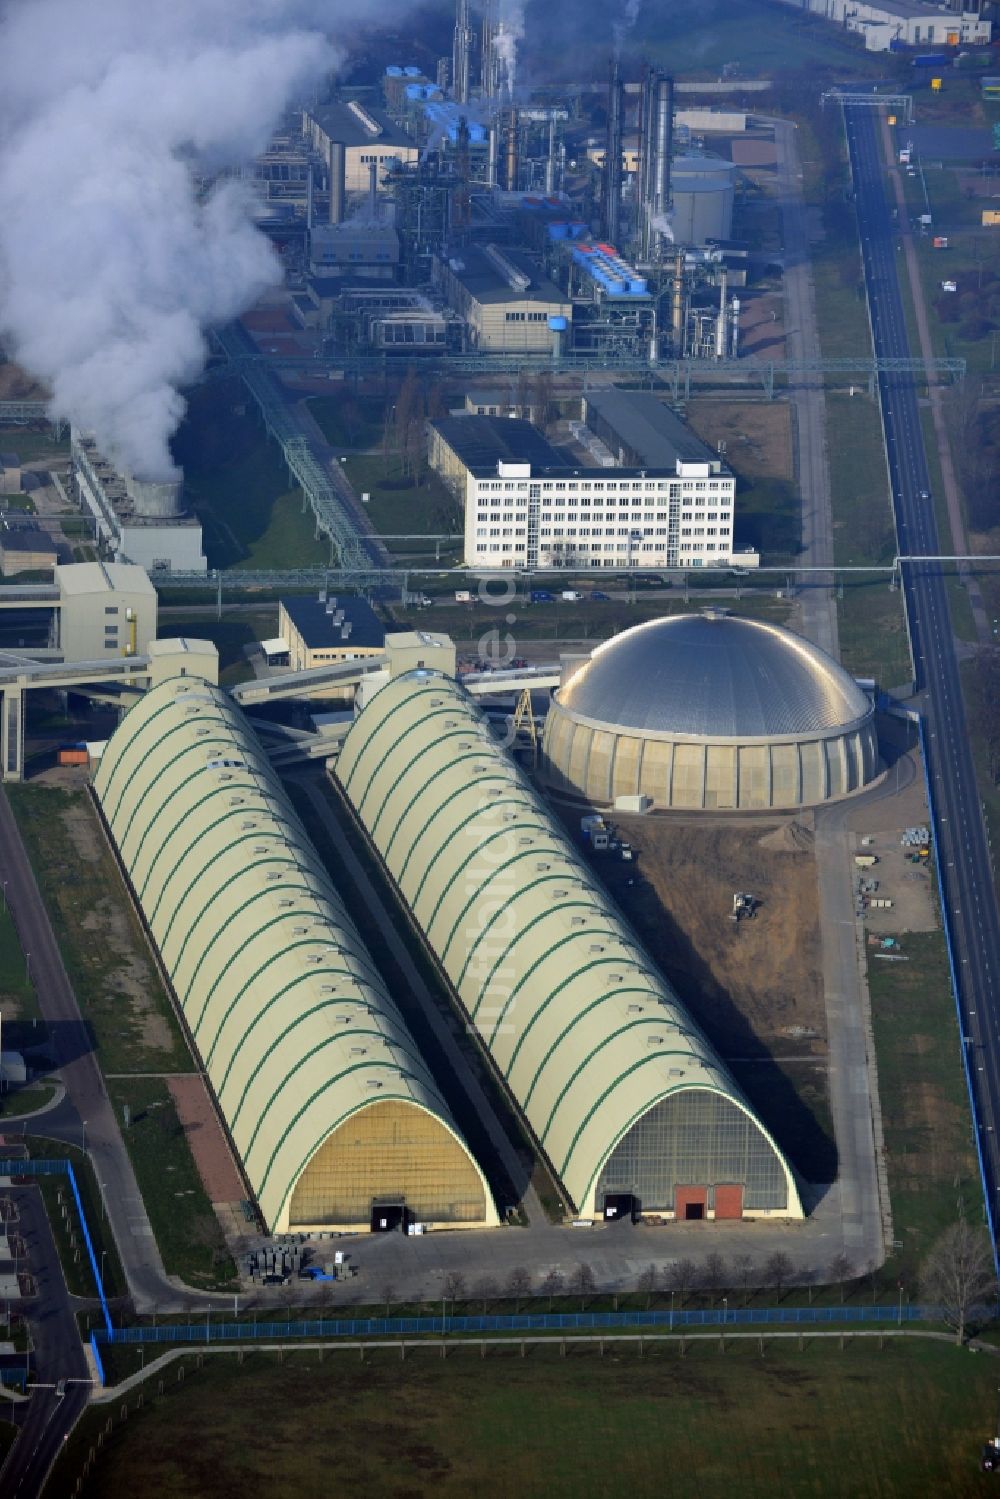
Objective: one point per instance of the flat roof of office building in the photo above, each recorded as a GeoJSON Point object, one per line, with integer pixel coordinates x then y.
{"type": "Point", "coordinates": [347, 126]}
{"type": "Point", "coordinates": [319, 628]}
{"type": "Point", "coordinates": [649, 428]}
{"type": "Point", "coordinates": [484, 281]}
{"type": "Point", "coordinates": [485, 441]}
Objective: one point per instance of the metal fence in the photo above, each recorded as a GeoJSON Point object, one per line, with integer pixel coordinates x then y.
{"type": "Point", "coordinates": [956, 995]}
{"type": "Point", "coordinates": [208, 1331]}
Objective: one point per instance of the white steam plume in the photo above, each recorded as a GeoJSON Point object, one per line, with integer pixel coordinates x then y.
{"type": "Point", "coordinates": [111, 265]}
{"type": "Point", "coordinates": [662, 223]}
{"type": "Point", "coordinates": [509, 32]}
{"type": "Point", "coordinates": [625, 23]}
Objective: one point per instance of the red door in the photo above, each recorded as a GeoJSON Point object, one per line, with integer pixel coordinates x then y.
{"type": "Point", "coordinates": [729, 1202]}
{"type": "Point", "coordinates": [690, 1203]}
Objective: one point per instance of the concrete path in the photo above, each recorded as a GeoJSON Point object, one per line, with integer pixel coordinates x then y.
{"type": "Point", "coordinates": [819, 610]}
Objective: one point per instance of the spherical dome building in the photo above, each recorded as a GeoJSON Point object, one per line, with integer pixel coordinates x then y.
{"type": "Point", "coordinates": [707, 712]}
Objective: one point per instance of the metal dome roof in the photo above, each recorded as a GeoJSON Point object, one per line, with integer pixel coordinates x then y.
{"type": "Point", "coordinates": [713, 676]}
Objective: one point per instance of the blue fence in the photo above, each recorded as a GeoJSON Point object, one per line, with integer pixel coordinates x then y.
{"type": "Point", "coordinates": [366, 1327]}
{"type": "Point", "coordinates": [946, 926]}
{"type": "Point", "coordinates": [98, 1361]}
{"type": "Point", "coordinates": [64, 1168]}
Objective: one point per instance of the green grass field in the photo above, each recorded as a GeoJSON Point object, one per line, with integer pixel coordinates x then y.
{"type": "Point", "coordinates": [187, 1231]}
{"type": "Point", "coordinates": [66, 1226]}
{"type": "Point", "coordinates": [756, 37]}
{"type": "Point", "coordinates": [105, 952]}
{"type": "Point", "coordinates": [930, 1152]}
{"type": "Point", "coordinates": [908, 1419]}
{"type": "Point", "coordinates": [237, 483]}
{"type": "Point", "coordinates": [399, 507]}
{"type": "Point", "coordinates": [230, 635]}
{"type": "Point", "coordinates": [349, 421]}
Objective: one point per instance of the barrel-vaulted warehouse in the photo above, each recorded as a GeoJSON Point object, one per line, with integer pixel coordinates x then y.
{"type": "Point", "coordinates": [710, 711]}
{"type": "Point", "coordinates": [618, 1085]}
{"type": "Point", "coordinates": [334, 1115]}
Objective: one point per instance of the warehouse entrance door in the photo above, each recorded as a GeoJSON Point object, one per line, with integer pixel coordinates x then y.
{"type": "Point", "coordinates": [690, 1204]}
{"type": "Point", "coordinates": [620, 1207]}
{"type": "Point", "coordinates": [729, 1202]}
{"type": "Point", "coordinates": [388, 1217]}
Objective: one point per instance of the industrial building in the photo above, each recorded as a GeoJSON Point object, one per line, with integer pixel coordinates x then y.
{"type": "Point", "coordinates": [335, 1118]}
{"type": "Point", "coordinates": [622, 1092]}
{"type": "Point", "coordinates": [137, 520]}
{"type": "Point", "coordinates": [529, 505]}
{"type": "Point", "coordinates": [503, 299]}
{"type": "Point", "coordinates": [708, 712]}
{"type": "Point", "coordinates": [315, 631]}
{"type": "Point", "coordinates": [886, 24]}
{"type": "Point", "coordinates": [105, 609]}
{"type": "Point", "coordinates": [351, 138]}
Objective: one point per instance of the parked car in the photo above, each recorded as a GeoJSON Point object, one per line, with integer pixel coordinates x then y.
{"type": "Point", "coordinates": [600, 598]}
{"type": "Point", "coordinates": [541, 596]}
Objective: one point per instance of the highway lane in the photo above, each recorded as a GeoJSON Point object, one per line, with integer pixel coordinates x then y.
{"type": "Point", "coordinates": [48, 1417]}
{"type": "Point", "coordinates": [967, 881]}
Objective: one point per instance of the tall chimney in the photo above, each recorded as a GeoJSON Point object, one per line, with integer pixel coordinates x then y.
{"type": "Point", "coordinates": [613, 156]}
{"type": "Point", "coordinates": [337, 169]}
{"type": "Point", "coordinates": [664, 142]}
{"type": "Point", "coordinates": [461, 47]}
{"type": "Point", "coordinates": [512, 162]}
{"type": "Point", "coordinates": [309, 196]}
{"type": "Point", "coordinates": [677, 319]}
{"type": "Point", "coordinates": [373, 190]}
{"type": "Point", "coordinates": [721, 340]}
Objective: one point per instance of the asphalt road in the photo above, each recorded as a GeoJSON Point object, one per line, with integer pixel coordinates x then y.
{"type": "Point", "coordinates": [47, 1418]}
{"type": "Point", "coordinates": [967, 882]}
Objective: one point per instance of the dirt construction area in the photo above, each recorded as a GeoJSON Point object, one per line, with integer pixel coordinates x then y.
{"type": "Point", "coordinates": [753, 986]}
{"type": "Point", "coordinates": [757, 434]}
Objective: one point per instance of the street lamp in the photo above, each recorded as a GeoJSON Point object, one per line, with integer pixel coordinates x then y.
{"type": "Point", "coordinates": [85, 1138]}
{"type": "Point", "coordinates": [103, 1254]}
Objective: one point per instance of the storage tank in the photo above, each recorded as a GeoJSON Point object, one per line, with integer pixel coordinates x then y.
{"type": "Point", "coordinates": [155, 499]}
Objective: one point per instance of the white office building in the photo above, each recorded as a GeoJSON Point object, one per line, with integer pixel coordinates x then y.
{"type": "Point", "coordinates": [525, 507]}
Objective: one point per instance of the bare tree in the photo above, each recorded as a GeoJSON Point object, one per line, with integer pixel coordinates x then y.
{"type": "Point", "coordinates": [680, 1276]}
{"type": "Point", "coordinates": [743, 1273]}
{"type": "Point", "coordinates": [648, 1282]}
{"type": "Point", "coordinates": [958, 1275]}
{"type": "Point", "coordinates": [485, 1291]}
{"type": "Point", "coordinates": [518, 1285]}
{"type": "Point", "coordinates": [552, 1285]}
{"type": "Point", "coordinates": [387, 1294]}
{"type": "Point", "coordinates": [454, 1286]}
{"type": "Point", "coordinates": [840, 1270]}
{"type": "Point", "coordinates": [778, 1270]}
{"type": "Point", "coordinates": [714, 1273]}
{"type": "Point", "coordinates": [582, 1282]}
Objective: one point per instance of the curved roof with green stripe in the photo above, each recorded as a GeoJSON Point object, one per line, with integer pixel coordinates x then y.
{"type": "Point", "coordinates": [293, 1023]}
{"type": "Point", "coordinates": [582, 1026]}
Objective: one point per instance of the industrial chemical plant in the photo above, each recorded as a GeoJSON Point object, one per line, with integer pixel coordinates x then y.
{"type": "Point", "coordinates": [473, 216]}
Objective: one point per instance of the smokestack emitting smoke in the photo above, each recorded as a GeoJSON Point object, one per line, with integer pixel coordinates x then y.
{"type": "Point", "coordinates": [112, 263]}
